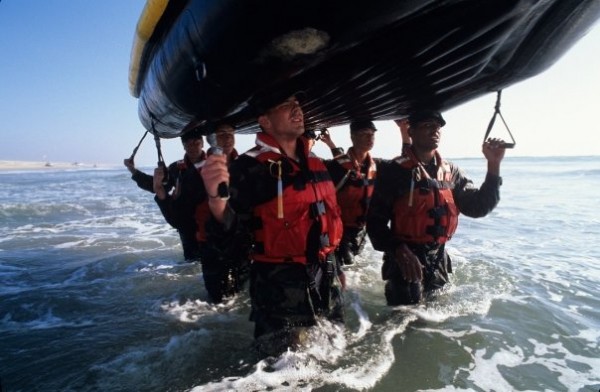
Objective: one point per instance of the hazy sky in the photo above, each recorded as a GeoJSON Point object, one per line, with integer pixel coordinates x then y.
{"type": "Point", "coordinates": [64, 93]}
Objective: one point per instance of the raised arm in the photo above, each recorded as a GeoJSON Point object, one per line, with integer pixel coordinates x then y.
{"type": "Point", "coordinates": [215, 172]}
{"type": "Point", "coordinates": [403, 126]}
{"type": "Point", "coordinates": [325, 137]}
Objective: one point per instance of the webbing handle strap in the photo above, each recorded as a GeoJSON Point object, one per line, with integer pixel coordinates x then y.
{"type": "Point", "coordinates": [135, 150]}
{"type": "Point", "coordinates": [161, 160]}
{"type": "Point", "coordinates": [493, 120]}
{"type": "Point", "coordinates": [157, 143]}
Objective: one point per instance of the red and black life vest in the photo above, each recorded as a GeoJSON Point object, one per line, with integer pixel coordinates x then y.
{"type": "Point", "coordinates": [426, 213]}
{"type": "Point", "coordinates": [282, 224]}
{"type": "Point", "coordinates": [202, 211]}
{"type": "Point", "coordinates": [354, 195]}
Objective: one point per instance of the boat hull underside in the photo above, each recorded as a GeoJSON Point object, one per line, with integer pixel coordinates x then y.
{"type": "Point", "coordinates": [216, 59]}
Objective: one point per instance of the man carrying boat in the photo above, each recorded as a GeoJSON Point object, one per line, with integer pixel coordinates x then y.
{"type": "Point", "coordinates": [284, 196]}
{"type": "Point", "coordinates": [225, 268]}
{"type": "Point", "coordinates": [173, 188]}
{"type": "Point", "coordinates": [354, 175]}
{"type": "Point", "coordinates": [415, 206]}
{"type": "Point", "coordinates": [180, 195]}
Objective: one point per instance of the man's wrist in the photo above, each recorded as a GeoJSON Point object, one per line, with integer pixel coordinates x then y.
{"type": "Point", "coordinates": [493, 168]}
{"type": "Point", "coordinates": [217, 207]}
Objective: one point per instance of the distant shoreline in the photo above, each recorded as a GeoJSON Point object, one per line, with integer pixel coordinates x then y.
{"type": "Point", "coordinates": [15, 165]}
{"type": "Point", "coordinates": [41, 165]}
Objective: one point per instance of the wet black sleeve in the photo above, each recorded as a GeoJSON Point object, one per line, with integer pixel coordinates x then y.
{"type": "Point", "coordinates": [179, 211]}
{"type": "Point", "coordinates": [174, 173]}
{"type": "Point", "coordinates": [144, 181]}
{"type": "Point", "coordinates": [336, 171]}
{"type": "Point", "coordinates": [388, 186]}
{"type": "Point", "coordinates": [166, 208]}
{"type": "Point", "coordinates": [337, 152]}
{"type": "Point", "coordinates": [470, 200]}
{"type": "Point", "coordinates": [250, 184]}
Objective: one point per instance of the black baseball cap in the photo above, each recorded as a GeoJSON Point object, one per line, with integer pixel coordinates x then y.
{"type": "Point", "coordinates": [260, 104]}
{"type": "Point", "coordinates": [195, 133]}
{"type": "Point", "coordinates": [423, 115]}
{"type": "Point", "coordinates": [362, 124]}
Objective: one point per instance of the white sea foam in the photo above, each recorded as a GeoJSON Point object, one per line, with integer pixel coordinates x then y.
{"type": "Point", "coordinates": [555, 297]}
{"type": "Point", "coordinates": [485, 370]}
{"type": "Point", "coordinates": [138, 366]}
{"type": "Point", "coordinates": [485, 373]}
{"type": "Point", "coordinates": [592, 336]}
{"type": "Point", "coordinates": [329, 359]}
{"type": "Point", "coordinates": [153, 268]}
{"type": "Point", "coordinates": [363, 317]}
{"type": "Point", "coordinates": [45, 321]}
{"type": "Point", "coordinates": [560, 360]}
{"type": "Point", "coordinates": [193, 310]}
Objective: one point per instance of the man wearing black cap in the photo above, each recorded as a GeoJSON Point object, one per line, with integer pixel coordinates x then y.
{"type": "Point", "coordinates": [227, 265]}
{"type": "Point", "coordinates": [285, 197]}
{"type": "Point", "coordinates": [180, 195]}
{"type": "Point", "coordinates": [176, 195]}
{"type": "Point", "coordinates": [183, 202]}
{"type": "Point", "coordinates": [354, 176]}
{"type": "Point", "coordinates": [192, 145]}
{"type": "Point", "coordinates": [178, 173]}
{"type": "Point", "coordinates": [415, 206]}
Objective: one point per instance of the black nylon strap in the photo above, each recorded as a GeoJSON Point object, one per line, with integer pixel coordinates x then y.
{"type": "Point", "coordinates": [161, 160]}
{"type": "Point", "coordinates": [135, 150]}
{"type": "Point", "coordinates": [493, 120]}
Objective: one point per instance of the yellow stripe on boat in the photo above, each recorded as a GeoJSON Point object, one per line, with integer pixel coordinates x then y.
{"type": "Point", "coordinates": [151, 14]}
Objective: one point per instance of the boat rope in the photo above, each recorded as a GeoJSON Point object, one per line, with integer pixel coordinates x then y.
{"type": "Point", "coordinates": [135, 150]}
{"type": "Point", "coordinates": [493, 120]}
{"type": "Point", "coordinates": [161, 160]}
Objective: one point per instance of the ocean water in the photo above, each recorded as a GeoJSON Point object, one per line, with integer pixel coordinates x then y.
{"type": "Point", "coordinates": [94, 296]}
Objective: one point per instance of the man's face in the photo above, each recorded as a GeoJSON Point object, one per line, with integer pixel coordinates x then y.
{"type": "Point", "coordinates": [193, 148]}
{"type": "Point", "coordinates": [225, 138]}
{"type": "Point", "coordinates": [363, 139]}
{"type": "Point", "coordinates": [426, 135]}
{"type": "Point", "coordinates": [284, 120]}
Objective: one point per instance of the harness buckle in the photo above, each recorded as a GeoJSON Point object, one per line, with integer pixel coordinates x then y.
{"type": "Point", "coordinates": [436, 231]}
{"type": "Point", "coordinates": [438, 212]}
{"type": "Point", "coordinates": [324, 239]}
{"type": "Point", "coordinates": [317, 209]}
